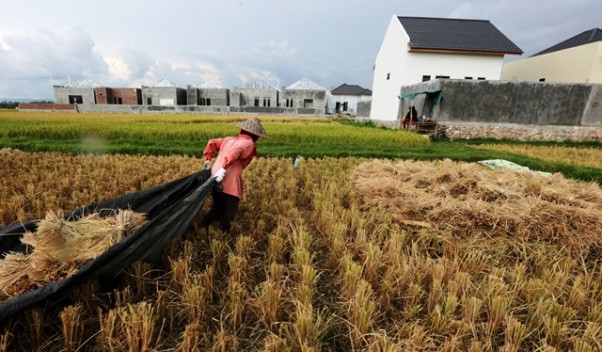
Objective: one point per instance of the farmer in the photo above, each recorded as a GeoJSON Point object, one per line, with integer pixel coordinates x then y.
{"type": "Point", "coordinates": [235, 153]}
{"type": "Point", "coordinates": [411, 117]}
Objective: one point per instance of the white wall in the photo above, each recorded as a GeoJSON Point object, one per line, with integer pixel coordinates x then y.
{"type": "Point", "coordinates": [405, 68]}
{"type": "Point", "coordinates": [351, 100]}
{"type": "Point", "coordinates": [573, 65]}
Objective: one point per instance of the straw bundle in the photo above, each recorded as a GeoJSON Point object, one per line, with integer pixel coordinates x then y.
{"type": "Point", "coordinates": [473, 200]}
{"type": "Point", "coordinates": [60, 247]}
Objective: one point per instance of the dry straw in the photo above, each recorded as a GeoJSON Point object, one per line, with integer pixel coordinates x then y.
{"type": "Point", "coordinates": [473, 200]}
{"type": "Point", "coordinates": [60, 247]}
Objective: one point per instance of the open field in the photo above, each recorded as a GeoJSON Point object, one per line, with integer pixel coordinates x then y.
{"type": "Point", "coordinates": [317, 263]}
{"type": "Point", "coordinates": [591, 157]}
{"type": "Point", "coordinates": [289, 137]}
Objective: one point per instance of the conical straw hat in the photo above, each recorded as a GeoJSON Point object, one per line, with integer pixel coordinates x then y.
{"type": "Point", "coordinates": [253, 126]}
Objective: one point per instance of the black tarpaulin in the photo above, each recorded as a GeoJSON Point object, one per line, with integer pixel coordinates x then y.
{"type": "Point", "coordinates": [170, 209]}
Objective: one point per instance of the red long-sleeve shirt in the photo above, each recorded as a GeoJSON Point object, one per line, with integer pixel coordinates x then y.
{"type": "Point", "coordinates": [235, 153]}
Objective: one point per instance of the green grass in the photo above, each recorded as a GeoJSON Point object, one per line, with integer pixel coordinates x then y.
{"type": "Point", "coordinates": [289, 137]}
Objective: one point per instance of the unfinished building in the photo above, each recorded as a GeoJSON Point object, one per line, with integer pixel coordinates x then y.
{"type": "Point", "coordinates": [306, 96]}
{"type": "Point", "coordinates": [163, 93]}
{"type": "Point", "coordinates": [207, 94]}
{"type": "Point", "coordinates": [76, 92]}
{"type": "Point", "coordinates": [118, 96]}
{"type": "Point", "coordinates": [254, 94]}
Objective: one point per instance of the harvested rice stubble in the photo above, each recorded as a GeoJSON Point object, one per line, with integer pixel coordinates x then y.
{"type": "Point", "coordinates": [473, 200]}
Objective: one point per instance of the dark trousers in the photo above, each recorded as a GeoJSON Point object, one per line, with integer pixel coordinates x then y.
{"type": "Point", "coordinates": [224, 209]}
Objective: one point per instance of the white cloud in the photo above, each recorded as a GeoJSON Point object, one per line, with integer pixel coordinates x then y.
{"type": "Point", "coordinates": [40, 54]}
{"type": "Point", "coordinates": [118, 69]}
{"type": "Point", "coordinates": [465, 10]}
{"type": "Point", "coordinates": [138, 61]}
{"type": "Point", "coordinates": [275, 49]}
{"type": "Point", "coordinates": [257, 74]}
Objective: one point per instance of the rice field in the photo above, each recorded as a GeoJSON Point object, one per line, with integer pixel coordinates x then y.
{"type": "Point", "coordinates": [591, 157]}
{"type": "Point", "coordinates": [194, 129]}
{"type": "Point", "coordinates": [316, 262]}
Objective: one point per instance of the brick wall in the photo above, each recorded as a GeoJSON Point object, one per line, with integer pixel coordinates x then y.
{"type": "Point", "coordinates": [118, 96]}
{"type": "Point", "coordinates": [23, 106]}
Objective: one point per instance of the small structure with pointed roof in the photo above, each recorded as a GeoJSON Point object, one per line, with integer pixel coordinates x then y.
{"type": "Point", "coordinates": [574, 60]}
{"type": "Point", "coordinates": [306, 95]}
{"type": "Point", "coordinates": [208, 93]}
{"type": "Point", "coordinates": [256, 94]}
{"type": "Point", "coordinates": [76, 92]}
{"type": "Point", "coordinates": [346, 98]}
{"type": "Point", "coordinates": [163, 93]}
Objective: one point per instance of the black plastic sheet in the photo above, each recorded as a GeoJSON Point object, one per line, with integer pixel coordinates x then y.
{"type": "Point", "coordinates": [170, 210]}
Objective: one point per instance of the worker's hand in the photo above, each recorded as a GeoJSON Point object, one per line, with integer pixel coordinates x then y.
{"type": "Point", "coordinates": [207, 165]}
{"type": "Point", "coordinates": [220, 174]}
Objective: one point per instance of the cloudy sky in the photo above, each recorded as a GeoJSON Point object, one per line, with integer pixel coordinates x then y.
{"type": "Point", "coordinates": [135, 42]}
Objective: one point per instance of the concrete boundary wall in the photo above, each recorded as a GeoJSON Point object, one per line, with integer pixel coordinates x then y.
{"type": "Point", "coordinates": [522, 132]}
{"type": "Point", "coordinates": [196, 109]}
{"type": "Point", "coordinates": [47, 107]}
{"type": "Point", "coordinates": [524, 103]}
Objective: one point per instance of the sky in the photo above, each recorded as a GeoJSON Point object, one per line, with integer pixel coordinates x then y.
{"type": "Point", "coordinates": [135, 42]}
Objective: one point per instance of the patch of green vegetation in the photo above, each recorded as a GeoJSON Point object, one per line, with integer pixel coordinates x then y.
{"type": "Point", "coordinates": [436, 150]}
{"type": "Point", "coordinates": [289, 137]}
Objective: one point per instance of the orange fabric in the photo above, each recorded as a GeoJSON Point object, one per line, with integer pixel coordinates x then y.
{"type": "Point", "coordinates": [235, 153]}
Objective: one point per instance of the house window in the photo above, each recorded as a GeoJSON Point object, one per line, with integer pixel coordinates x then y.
{"type": "Point", "coordinates": [269, 102]}
{"type": "Point", "coordinates": [337, 107]}
{"type": "Point", "coordinates": [542, 79]}
{"type": "Point", "coordinates": [208, 101]}
{"type": "Point", "coordinates": [388, 76]}
{"type": "Point", "coordinates": [76, 99]}
{"type": "Point", "coordinates": [308, 103]}
{"type": "Point", "coordinates": [345, 106]}
{"type": "Point", "coordinates": [256, 101]}
{"type": "Point", "coordinates": [149, 101]}
{"type": "Point", "coordinates": [426, 78]}
{"type": "Point", "coordinates": [481, 78]}
{"type": "Point", "coordinates": [442, 77]}
{"type": "Point", "coordinates": [120, 101]}
{"type": "Point", "coordinates": [467, 77]}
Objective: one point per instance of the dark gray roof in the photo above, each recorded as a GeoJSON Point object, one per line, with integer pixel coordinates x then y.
{"type": "Point", "coordinates": [591, 36]}
{"type": "Point", "coordinates": [350, 89]}
{"type": "Point", "coordinates": [457, 35]}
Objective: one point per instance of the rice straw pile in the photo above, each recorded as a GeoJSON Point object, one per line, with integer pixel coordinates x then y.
{"type": "Point", "coordinates": [473, 200]}
{"type": "Point", "coordinates": [60, 247]}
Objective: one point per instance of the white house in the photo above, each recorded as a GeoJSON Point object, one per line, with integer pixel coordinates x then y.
{"type": "Point", "coordinates": [344, 98]}
{"type": "Point", "coordinates": [418, 49]}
